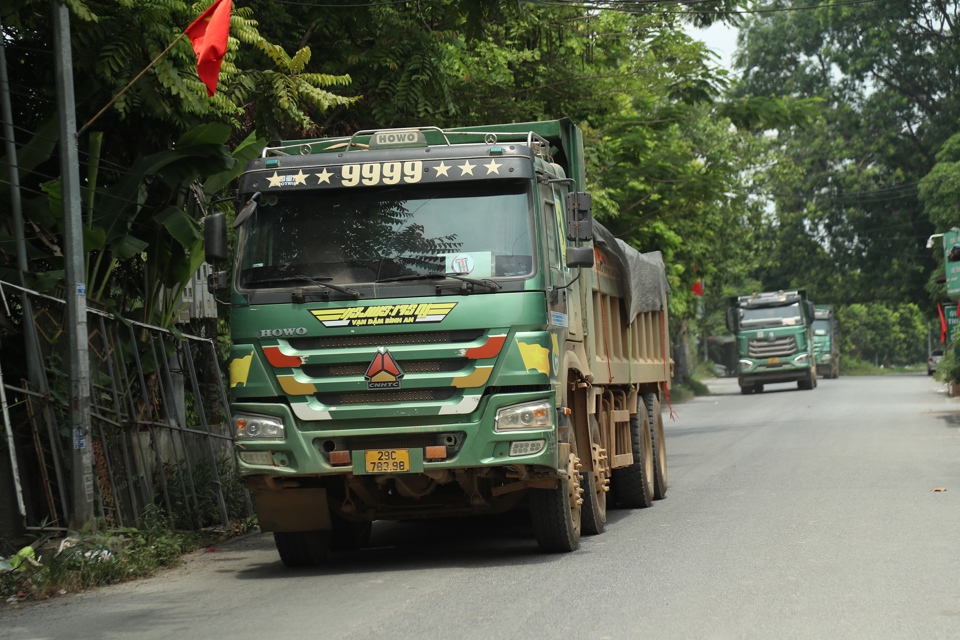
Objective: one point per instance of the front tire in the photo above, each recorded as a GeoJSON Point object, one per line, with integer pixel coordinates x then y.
{"type": "Point", "coordinates": [556, 513]}
{"type": "Point", "coordinates": [595, 485]}
{"type": "Point", "coordinates": [302, 548]}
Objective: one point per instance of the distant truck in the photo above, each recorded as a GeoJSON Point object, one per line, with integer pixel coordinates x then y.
{"type": "Point", "coordinates": [774, 333]}
{"type": "Point", "coordinates": [429, 323]}
{"type": "Point", "coordinates": [826, 341]}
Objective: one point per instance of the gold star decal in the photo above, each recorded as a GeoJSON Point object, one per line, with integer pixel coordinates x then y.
{"type": "Point", "coordinates": [442, 169]}
{"type": "Point", "coordinates": [275, 180]}
{"type": "Point", "coordinates": [493, 167]}
{"type": "Point", "coordinates": [467, 168]}
{"type": "Point", "coordinates": [300, 178]}
{"type": "Point", "coordinates": [324, 177]}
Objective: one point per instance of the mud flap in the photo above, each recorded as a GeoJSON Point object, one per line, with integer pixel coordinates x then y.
{"type": "Point", "coordinates": [292, 510]}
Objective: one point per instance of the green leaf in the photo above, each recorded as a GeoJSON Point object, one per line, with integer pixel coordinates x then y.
{"type": "Point", "coordinates": [181, 226]}
{"type": "Point", "coordinates": [127, 247]}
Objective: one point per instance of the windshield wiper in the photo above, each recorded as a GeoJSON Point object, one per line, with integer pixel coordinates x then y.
{"type": "Point", "coordinates": [439, 275]}
{"type": "Point", "coordinates": [318, 282]}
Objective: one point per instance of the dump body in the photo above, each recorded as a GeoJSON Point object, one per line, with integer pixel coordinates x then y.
{"type": "Point", "coordinates": [774, 339]}
{"type": "Point", "coordinates": [826, 341]}
{"type": "Point", "coordinates": [408, 341]}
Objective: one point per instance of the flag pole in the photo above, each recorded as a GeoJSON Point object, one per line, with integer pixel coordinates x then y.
{"type": "Point", "coordinates": [130, 84]}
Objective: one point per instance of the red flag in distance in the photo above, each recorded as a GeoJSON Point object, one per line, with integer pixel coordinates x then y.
{"type": "Point", "coordinates": [697, 288]}
{"type": "Point", "coordinates": [208, 35]}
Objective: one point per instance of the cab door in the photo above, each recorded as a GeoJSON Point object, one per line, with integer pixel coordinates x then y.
{"type": "Point", "coordinates": [558, 275]}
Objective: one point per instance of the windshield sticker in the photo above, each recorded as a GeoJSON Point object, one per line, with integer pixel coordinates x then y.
{"type": "Point", "coordinates": [384, 314]}
{"type": "Point", "coordinates": [372, 174]}
{"type": "Point", "coordinates": [478, 264]}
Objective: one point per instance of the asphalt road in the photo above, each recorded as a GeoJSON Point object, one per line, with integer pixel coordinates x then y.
{"type": "Point", "coordinates": [791, 514]}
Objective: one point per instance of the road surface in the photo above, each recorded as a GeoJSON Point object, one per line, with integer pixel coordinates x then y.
{"type": "Point", "coordinates": [790, 514]}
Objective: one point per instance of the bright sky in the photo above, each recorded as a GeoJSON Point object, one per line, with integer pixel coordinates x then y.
{"type": "Point", "coordinates": [720, 38]}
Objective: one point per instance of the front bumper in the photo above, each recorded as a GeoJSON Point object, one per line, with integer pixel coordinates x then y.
{"type": "Point", "coordinates": [305, 450]}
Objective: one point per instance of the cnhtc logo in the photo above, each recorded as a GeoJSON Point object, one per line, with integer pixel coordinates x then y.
{"type": "Point", "coordinates": [280, 333]}
{"type": "Point", "coordinates": [383, 372]}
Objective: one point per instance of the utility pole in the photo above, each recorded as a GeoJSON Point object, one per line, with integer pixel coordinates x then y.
{"type": "Point", "coordinates": [81, 512]}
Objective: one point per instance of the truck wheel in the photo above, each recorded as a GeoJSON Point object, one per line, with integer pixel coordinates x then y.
{"type": "Point", "coordinates": [746, 389]}
{"type": "Point", "coordinates": [809, 383]}
{"type": "Point", "coordinates": [302, 548]}
{"type": "Point", "coordinates": [658, 444]}
{"type": "Point", "coordinates": [348, 535]}
{"type": "Point", "coordinates": [556, 513]}
{"type": "Point", "coordinates": [634, 484]}
{"type": "Point", "coordinates": [596, 484]}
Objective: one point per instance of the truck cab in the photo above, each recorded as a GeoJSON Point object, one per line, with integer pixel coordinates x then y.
{"type": "Point", "coordinates": [774, 333]}
{"type": "Point", "coordinates": [826, 341]}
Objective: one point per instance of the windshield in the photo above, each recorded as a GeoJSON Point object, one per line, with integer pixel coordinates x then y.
{"type": "Point", "coordinates": [373, 235]}
{"type": "Point", "coordinates": [771, 316]}
{"type": "Point", "coordinates": [821, 327]}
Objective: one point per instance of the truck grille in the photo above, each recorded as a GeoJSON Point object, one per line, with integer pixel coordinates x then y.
{"type": "Point", "coordinates": [386, 397]}
{"type": "Point", "coordinates": [777, 348]}
{"type": "Point", "coordinates": [359, 369]}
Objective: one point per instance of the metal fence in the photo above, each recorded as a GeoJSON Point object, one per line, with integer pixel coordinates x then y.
{"type": "Point", "coordinates": [160, 422]}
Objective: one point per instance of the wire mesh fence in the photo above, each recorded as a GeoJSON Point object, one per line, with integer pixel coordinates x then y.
{"type": "Point", "coordinates": [160, 421]}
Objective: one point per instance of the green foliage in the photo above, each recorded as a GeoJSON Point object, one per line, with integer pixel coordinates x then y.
{"type": "Point", "coordinates": [851, 220]}
{"type": "Point", "coordinates": [881, 333]}
{"type": "Point", "coordinates": [205, 511]}
{"type": "Point", "coordinates": [948, 369]}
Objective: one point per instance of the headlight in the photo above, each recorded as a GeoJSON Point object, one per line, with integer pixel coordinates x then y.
{"type": "Point", "coordinates": [258, 427]}
{"type": "Point", "coordinates": [802, 358]}
{"type": "Point", "coordinates": [826, 357]}
{"type": "Point", "coordinates": [745, 364]}
{"type": "Point", "coordinates": [531, 415]}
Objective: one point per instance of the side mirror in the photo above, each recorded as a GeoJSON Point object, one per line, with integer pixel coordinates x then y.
{"type": "Point", "coordinates": [811, 311]}
{"type": "Point", "coordinates": [215, 237]}
{"type": "Point", "coordinates": [217, 281]}
{"type": "Point", "coordinates": [579, 213]}
{"type": "Point", "coordinates": [579, 257]}
{"type": "Point", "coordinates": [731, 323]}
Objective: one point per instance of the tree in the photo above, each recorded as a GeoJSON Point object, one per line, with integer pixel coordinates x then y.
{"type": "Point", "coordinates": [851, 224]}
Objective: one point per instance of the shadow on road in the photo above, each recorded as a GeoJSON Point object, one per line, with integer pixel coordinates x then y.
{"type": "Point", "coordinates": [491, 541]}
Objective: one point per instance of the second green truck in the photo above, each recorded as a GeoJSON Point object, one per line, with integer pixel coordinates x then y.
{"type": "Point", "coordinates": [775, 343]}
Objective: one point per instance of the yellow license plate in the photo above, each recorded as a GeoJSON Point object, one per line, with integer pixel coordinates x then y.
{"type": "Point", "coordinates": [387, 460]}
{"type": "Point", "coordinates": [773, 361]}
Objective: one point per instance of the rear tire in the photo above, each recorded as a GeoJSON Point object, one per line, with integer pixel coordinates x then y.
{"type": "Point", "coordinates": [658, 444]}
{"type": "Point", "coordinates": [556, 513]}
{"type": "Point", "coordinates": [302, 548]}
{"type": "Point", "coordinates": [634, 484]}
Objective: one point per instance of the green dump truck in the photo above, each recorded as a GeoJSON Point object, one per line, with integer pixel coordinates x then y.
{"type": "Point", "coordinates": [826, 341]}
{"type": "Point", "coordinates": [774, 333]}
{"type": "Point", "coordinates": [429, 323]}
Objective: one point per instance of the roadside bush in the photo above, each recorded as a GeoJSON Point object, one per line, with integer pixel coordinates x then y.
{"type": "Point", "coordinates": [88, 560]}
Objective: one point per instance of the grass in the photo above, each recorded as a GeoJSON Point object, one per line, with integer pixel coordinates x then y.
{"type": "Point", "coordinates": [106, 558]}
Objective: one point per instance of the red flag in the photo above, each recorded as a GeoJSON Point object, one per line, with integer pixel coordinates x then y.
{"type": "Point", "coordinates": [943, 324]}
{"type": "Point", "coordinates": [208, 35]}
{"type": "Point", "coordinates": [697, 288]}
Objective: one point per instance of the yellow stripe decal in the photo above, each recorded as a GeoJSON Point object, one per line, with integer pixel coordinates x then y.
{"type": "Point", "coordinates": [476, 379]}
{"type": "Point", "coordinates": [291, 387]}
